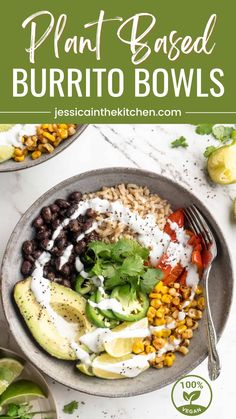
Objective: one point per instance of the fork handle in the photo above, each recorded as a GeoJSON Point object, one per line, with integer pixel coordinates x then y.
{"type": "Point", "coordinates": [214, 366]}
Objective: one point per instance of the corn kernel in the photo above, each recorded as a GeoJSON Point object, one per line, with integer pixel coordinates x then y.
{"type": "Point", "coordinates": [181, 329]}
{"type": "Point", "coordinates": [160, 312]}
{"type": "Point", "coordinates": [166, 298]}
{"type": "Point", "coordinates": [63, 133]}
{"type": "Point", "coordinates": [188, 334]}
{"type": "Point", "coordinates": [49, 136]}
{"type": "Point", "coordinates": [201, 303]}
{"type": "Point", "coordinates": [18, 152]}
{"type": "Point", "coordinates": [183, 350]}
{"type": "Point", "coordinates": [198, 290]}
{"type": "Point", "coordinates": [151, 312]}
{"type": "Point", "coordinates": [159, 322]}
{"type": "Point", "coordinates": [155, 295]}
{"type": "Point", "coordinates": [158, 286]}
{"type": "Point", "coordinates": [169, 359]}
{"type": "Point", "coordinates": [36, 154]}
{"type": "Point", "coordinates": [149, 349]}
{"type": "Point", "coordinates": [138, 347]}
{"type": "Point", "coordinates": [19, 159]}
{"type": "Point", "coordinates": [173, 292]}
{"type": "Point", "coordinates": [176, 301]}
{"type": "Point", "coordinates": [156, 303]}
{"type": "Point", "coordinates": [158, 343]}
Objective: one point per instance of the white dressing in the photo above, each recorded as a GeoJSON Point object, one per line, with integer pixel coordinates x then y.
{"type": "Point", "coordinates": [14, 135]}
{"type": "Point", "coordinates": [127, 368]}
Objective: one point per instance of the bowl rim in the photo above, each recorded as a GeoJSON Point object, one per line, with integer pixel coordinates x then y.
{"type": "Point", "coordinates": [27, 164]}
{"type": "Point", "coordinates": [24, 359]}
{"type": "Point", "coordinates": [207, 213]}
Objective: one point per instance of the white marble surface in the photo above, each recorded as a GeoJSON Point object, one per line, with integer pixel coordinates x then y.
{"type": "Point", "coordinates": [147, 147]}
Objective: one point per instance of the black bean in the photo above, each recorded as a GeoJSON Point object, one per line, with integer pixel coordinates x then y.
{"type": "Point", "coordinates": [28, 247]}
{"type": "Point", "coordinates": [88, 224]}
{"type": "Point", "coordinates": [56, 252]}
{"type": "Point", "coordinates": [71, 210]}
{"type": "Point", "coordinates": [75, 196]}
{"type": "Point", "coordinates": [57, 262]}
{"type": "Point", "coordinates": [61, 243]}
{"type": "Point", "coordinates": [26, 267]}
{"type": "Point", "coordinates": [41, 235]}
{"type": "Point", "coordinates": [71, 259]}
{"type": "Point", "coordinates": [51, 275]}
{"type": "Point", "coordinates": [44, 244]}
{"type": "Point", "coordinates": [74, 226]}
{"type": "Point", "coordinates": [54, 208]}
{"type": "Point", "coordinates": [80, 247]}
{"type": "Point", "coordinates": [66, 283]}
{"type": "Point", "coordinates": [56, 223]}
{"type": "Point", "coordinates": [91, 213]}
{"type": "Point", "coordinates": [61, 235]}
{"type": "Point", "coordinates": [30, 258]}
{"type": "Point", "coordinates": [62, 203]}
{"type": "Point", "coordinates": [46, 214]}
{"type": "Point", "coordinates": [38, 222]}
{"type": "Point", "coordinates": [65, 270]}
{"type": "Point", "coordinates": [92, 237]}
{"type": "Point", "coordinates": [36, 254]}
{"type": "Point", "coordinates": [82, 219]}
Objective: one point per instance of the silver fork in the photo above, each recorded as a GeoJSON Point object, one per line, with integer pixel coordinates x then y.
{"type": "Point", "coordinates": [200, 227]}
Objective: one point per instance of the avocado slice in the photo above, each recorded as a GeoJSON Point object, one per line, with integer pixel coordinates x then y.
{"type": "Point", "coordinates": [67, 303]}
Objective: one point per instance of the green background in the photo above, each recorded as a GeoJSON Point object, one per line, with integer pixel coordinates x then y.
{"type": "Point", "coordinates": [187, 17]}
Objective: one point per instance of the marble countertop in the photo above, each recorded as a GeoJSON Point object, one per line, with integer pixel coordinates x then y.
{"type": "Point", "coordinates": [146, 147]}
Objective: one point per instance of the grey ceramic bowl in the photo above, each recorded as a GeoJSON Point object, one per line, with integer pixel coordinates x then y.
{"type": "Point", "coordinates": [12, 166]}
{"type": "Point", "coordinates": [220, 290]}
{"type": "Point", "coordinates": [31, 373]}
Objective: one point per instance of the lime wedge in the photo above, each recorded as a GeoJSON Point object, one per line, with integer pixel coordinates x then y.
{"type": "Point", "coordinates": [21, 391]}
{"type": "Point", "coordinates": [121, 346]}
{"type": "Point", "coordinates": [221, 165]}
{"type": "Point", "coordinates": [85, 369]}
{"type": "Point", "coordinates": [105, 366]}
{"type": "Point", "coordinates": [6, 152]}
{"type": "Point", "coordinates": [10, 369]}
{"type": "Point", "coordinates": [5, 127]}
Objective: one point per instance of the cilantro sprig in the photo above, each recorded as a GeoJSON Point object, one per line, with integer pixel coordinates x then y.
{"type": "Point", "coordinates": [71, 407]}
{"type": "Point", "coordinates": [123, 262]}
{"type": "Point", "coordinates": [21, 411]}
{"type": "Point", "coordinates": [179, 142]}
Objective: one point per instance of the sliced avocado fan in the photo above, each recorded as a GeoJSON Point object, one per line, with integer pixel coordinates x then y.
{"type": "Point", "coordinates": [67, 303]}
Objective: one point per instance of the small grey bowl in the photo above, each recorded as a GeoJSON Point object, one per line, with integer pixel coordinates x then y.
{"type": "Point", "coordinates": [152, 379]}
{"type": "Point", "coordinates": [12, 166]}
{"type": "Point", "coordinates": [32, 374]}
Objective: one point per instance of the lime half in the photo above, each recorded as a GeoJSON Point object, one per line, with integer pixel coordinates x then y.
{"type": "Point", "coordinates": [21, 391]}
{"type": "Point", "coordinates": [123, 344]}
{"type": "Point", "coordinates": [10, 369]}
{"type": "Point", "coordinates": [221, 165]}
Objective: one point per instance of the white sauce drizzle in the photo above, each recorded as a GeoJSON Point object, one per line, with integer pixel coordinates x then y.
{"type": "Point", "coordinates": [129, 368]}
{"type": "Point", "coordinates": [14, 135]}
{"type": "Point", "coordinates": [149, 235]}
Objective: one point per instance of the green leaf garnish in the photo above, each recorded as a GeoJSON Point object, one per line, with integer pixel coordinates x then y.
{"type": "Point", "coordinates": [180, 142]}
{"type": "Point", "coordinates": [203, 129]}
{"type": "Point", "coordinates": [209, 150]}
{"type": "Point", "coordinates": [150, 279]}
{"type": "Point", "coordinates": [222, 133]}
{"type": "Point", "coordinates": [70, 407]}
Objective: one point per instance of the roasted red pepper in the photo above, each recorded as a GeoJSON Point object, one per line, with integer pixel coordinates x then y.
{"type": "Point", "coordinates": [176, 217]}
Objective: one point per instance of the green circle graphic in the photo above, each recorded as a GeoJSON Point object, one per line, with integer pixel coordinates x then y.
{"type": "Point", "coordinates": [191, 409]}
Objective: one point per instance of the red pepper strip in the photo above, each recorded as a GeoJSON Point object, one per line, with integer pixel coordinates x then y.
{"type": "Point", "coordinates": [197, 259]}
{"type": "Point", "coordinates": [206, 258]}
{"type": "Point", "coordinates": [176, 217]}
{"type": "Point", "coordinates": [166, 269]}
{"type": "Point", "coordinates": [183, 277]}
{"type": "Point", "coordinates": [174, 275]}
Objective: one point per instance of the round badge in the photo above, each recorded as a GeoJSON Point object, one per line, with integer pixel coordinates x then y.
{"type": "Point", "coordinates": [191, 395]}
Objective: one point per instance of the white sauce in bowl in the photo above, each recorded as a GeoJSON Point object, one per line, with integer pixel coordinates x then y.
{"type": "Point", "coordinates": [14, 135]}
